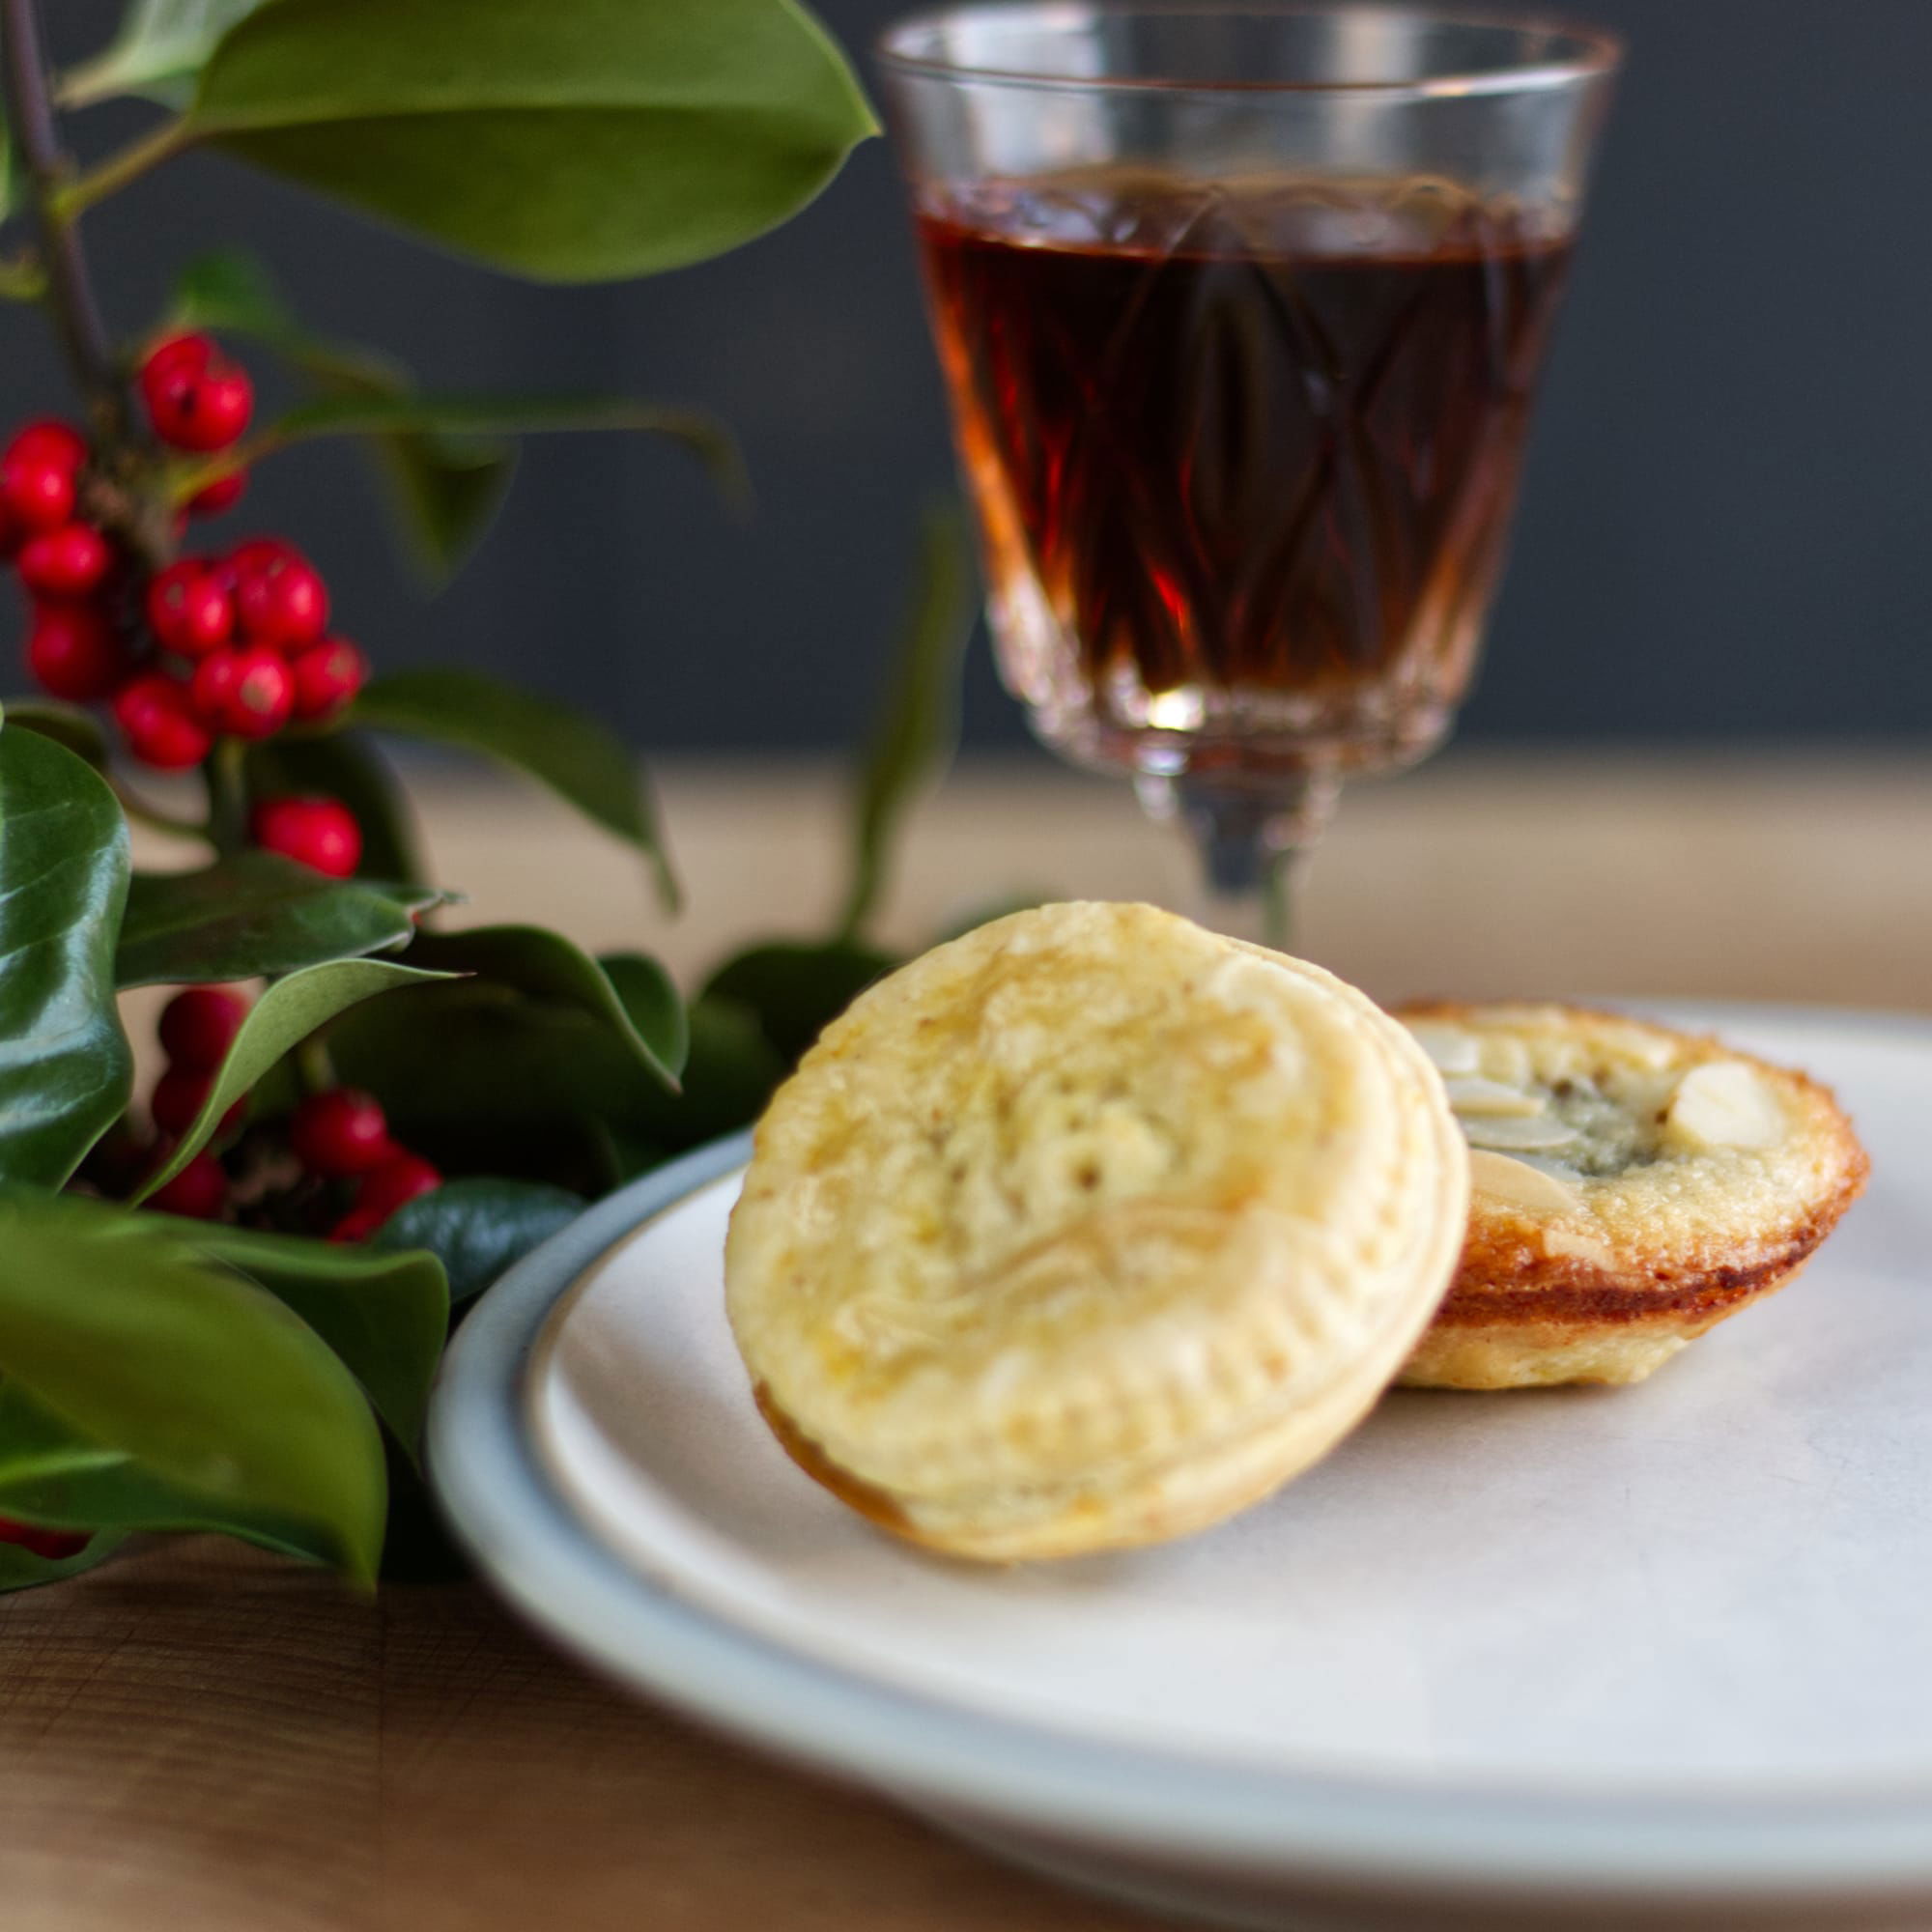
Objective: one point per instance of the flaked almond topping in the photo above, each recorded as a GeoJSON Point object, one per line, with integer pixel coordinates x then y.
{"type": "Point", "coordinates": [1473, 1094]}
{"type": "Point", "coordinates": [1515, 1135]}
{"type": "Point", "coordinates": [1514, 1184]}
{"type": "Point", "coordinates": [1451, 1048]}
{"type": "Point", "coordinates": [1724, 1103]}
{"type": "Point", "coordinates": [1504, 1058]}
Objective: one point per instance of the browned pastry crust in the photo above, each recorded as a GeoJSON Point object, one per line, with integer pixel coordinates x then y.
{"type": "Point", "coordinates": [1610, 1293]}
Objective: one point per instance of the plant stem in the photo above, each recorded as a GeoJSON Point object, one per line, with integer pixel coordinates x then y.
{"type": "Point", "coordinates": [159, 144]}
{"type": "Point", "coordinates": [69, 296]}
{"type": "Point", "coordinates": [227, 795]}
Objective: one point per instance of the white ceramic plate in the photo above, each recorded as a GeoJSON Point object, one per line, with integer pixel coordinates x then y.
{"type": "Point", "coordinates": [1572, 1655]}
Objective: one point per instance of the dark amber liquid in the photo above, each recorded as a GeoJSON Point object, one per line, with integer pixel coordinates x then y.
{"type": "Point", "coordinates": [1244, 456]}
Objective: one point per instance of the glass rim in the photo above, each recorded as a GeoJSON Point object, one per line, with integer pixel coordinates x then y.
{"type": "Point", "coordinates": [1599, 51]}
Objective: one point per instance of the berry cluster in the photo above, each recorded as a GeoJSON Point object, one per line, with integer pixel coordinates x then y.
{"type": "Point", "coordinates": [339, 1138]}
{"type": "Point", "coordinates": [212, 646]}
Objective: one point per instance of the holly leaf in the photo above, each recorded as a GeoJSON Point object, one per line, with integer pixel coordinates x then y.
{"type": "Point", "coordinates": [345, 766]}
{"type": "Point", "coordinates": [252, 914]}
{"type": "Point", "coordinates": [479, 1228]}
{"type": "Point", "coordinates": [21, 1570]}
{"type": "Point", "coordinates": [563, 140]}
{"type": "Point", "coordinates": [385, 1314]}
{"type": "Point", "coordinates": [160, 49]}
{"type": "Point", "coordinates": [918, 727]}
{"type": "Point", "coordinates": [69, 726]}
{"type": "Point", "coordinates": [545, 966]}
{"type": "Point", "coordinates": [730, 1073]}
{"type": "Point", "coordinates": [286, 1014]}
{"type": "Point", "coordinates": [65, 1069]}
{"type": "Point", "coordinates": [583, 764]}
{"type": "Point", "coordinates": [650, 997]}
{"type": "Point", "coordinates": [797, 989]}
{"type": "Point", "coordinates": [117, 1325]}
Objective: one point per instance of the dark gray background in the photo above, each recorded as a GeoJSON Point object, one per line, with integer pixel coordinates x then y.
{"type": "Point", "coordinates": [1725, 530]}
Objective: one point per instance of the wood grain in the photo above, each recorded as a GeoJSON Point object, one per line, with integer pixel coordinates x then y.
{"type": "Point", "coordinates": [199, 1736]}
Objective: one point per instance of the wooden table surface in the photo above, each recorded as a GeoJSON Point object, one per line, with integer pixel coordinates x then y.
{"type": "Point", "coordinates": [199, 1736]}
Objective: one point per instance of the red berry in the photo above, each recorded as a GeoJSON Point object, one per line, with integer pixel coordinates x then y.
{"type": "Point", "coordinates": [68, 562]}
{"type": "Point", "coordinates": [51, 440]}
{"type": "Point", "coordinates": [357, 1225]}
{"type": "Point", "coordinates": [52, 1544]}
{"type": "Point", "coordinates": [256, 555]}
{"type": "Point", "coordinates": [197, 397]}
{"type": "Point", "coordinates": [400, 1178]}
{"type": "Point", "coordinates": [281, 601]}
{"type": "Point", "coordinates": [316, 831]}
{"type": "Point", "coordinates": [212, 499]}
{"type": "Point", "coordinates": [248, 693]}
{"type": "Point", "coordinates": [76, 653]}
{"type": "Point", "coordinates": [157, 718]}
{"type": "Point", "coordinates": [328, 675]}
{"type": "Point", "coordinates": [340, 1134]}
{"type": "Point", "coordinates": [200, 1190]}
{"type": "Point", "coordinates": [12, 535]}
{"type": "Point", "coordinates": [38, 491]}
{"type": "Point", "coordinates": [199, 1024]}
{"type": "Point", "coordinates": [179, 1097]}
{"type": "Point", "coordinates": [190, 607]}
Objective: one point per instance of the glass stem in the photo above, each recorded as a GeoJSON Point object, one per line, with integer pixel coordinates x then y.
{"type": "Point", "coordinates": [1249, 845]}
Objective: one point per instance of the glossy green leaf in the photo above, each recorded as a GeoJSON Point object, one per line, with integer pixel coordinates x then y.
{"type": "Point", "coordinates": [69, 726]}
{"type": "Point", "coordinates": [345, 766]}
{"type": "Point", "coordinates": [162, 47]}
{"type": "Point", "coordinates": [252, 914]}
{"type": "Point", "coordinates": [583, 763]}
{"type": "Point", "coordinates": [545, 966]}
{"type": "Point", "coordinates": [286, 1014]}
{"type": "Point", "coordinates": [120, 1328]}
{"type": "Point", "coordinates": [797, 989]}
{"type": "Point", "coordinates": [21, 1570]}
{"type": "Point", "coordinates": [446, 489]}
{"type": "Point", "coordinates": [66, 1071]}
{"type": "Point", "coordinates": [51, 1473]}
{"type": "Point", "coordinates": [918, 726]}
{"type": "Point", "coordinates": [387, 1314]}
{"type": "Point", "coordinates": [728, 1077]}
{"type": "Point", "coordinates": [650, 997]}
{"type": "Point", "coordinates": [566, 140]}
{"type": "Point", "coordinates": [479, 1227]}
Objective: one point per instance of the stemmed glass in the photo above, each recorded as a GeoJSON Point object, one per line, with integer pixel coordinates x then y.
{"type": "Point", "coordinates": [1241, 310]}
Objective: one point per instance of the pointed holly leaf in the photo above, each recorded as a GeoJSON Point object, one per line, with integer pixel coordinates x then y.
{"type": "Point", "coordinates": [545, 966]}
{"type": "Point", "coordinates": [385, 1314]}
{"type": "Point", "coordinates": [65, 1069]}
{"type": "Point", "coordinates": [285, 1016]}
{"type": "Point", "coordinates": [345, 766]}
{"type": "Point", "coordinates": [479, 1227]}
{"type": "Point", "coordinates": [918, 726]}
{"type": "Point", "coordinates": [160, 51]}
{"type": "Point", "coordinates": [577, 760]}
{"type": "Point", "coordinates": [121, 1328]}
{"type": "Point", "coordinates": [256, 913]}
{"type": "Point", "coordinates": [565, 140]}
{"type": "Point", "coordinates": [650, 996]}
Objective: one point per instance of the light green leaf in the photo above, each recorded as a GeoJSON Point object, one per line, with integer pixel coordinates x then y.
{"type": "Point", "coordinates": [120, 1328]}
{"type": "Point", "coordinates": [544, 965]}
{"type": "Point", "coordinates": [66, 1071]}
{"type": "Point", "coordinates": [566, 140]}
{"type": "Point", "coordinates": [160, 49]}
{"type": "Point", "coordinates": [286, 1014]}
{"type": "Point", "coordinates": [385, 1314]}
{"type": "Point", "coordinates": [252, 914]}
{"type": "Point", "coordinates": [583, 763]}
{"type": "Point", "coordinates": [918, 726]}
{"type": "Point", "coordinates": [479, 1227]}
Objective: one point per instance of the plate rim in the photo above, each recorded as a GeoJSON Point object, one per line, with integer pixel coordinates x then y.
{"type": "Point", "coordinates": [1345, 1826]}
